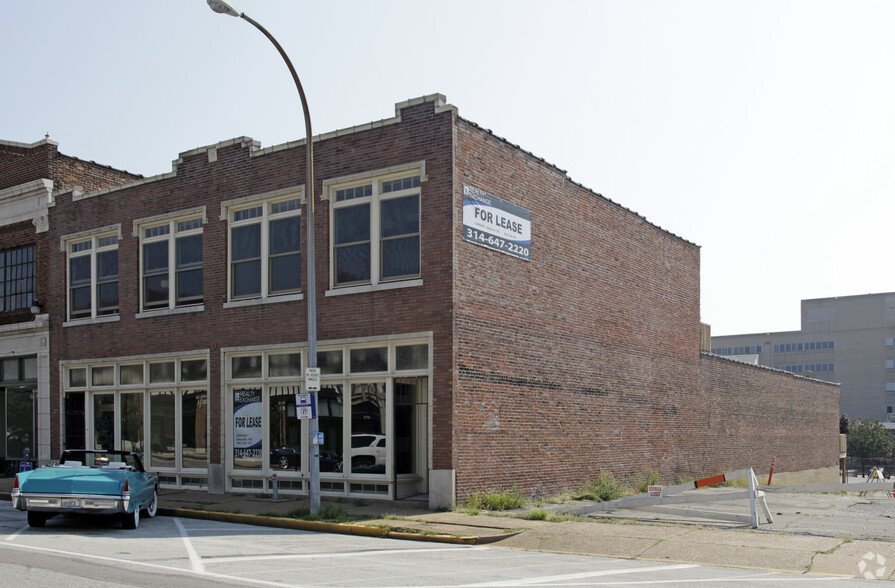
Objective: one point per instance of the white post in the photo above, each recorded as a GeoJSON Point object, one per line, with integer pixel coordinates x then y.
{"type": "Point", "coordinates": [753, 490]}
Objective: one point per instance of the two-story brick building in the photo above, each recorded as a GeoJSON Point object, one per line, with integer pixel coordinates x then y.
{"type": "Point", "coordinates": [29, 174]}
{"type": "Point", "coordinates": [483, 322]}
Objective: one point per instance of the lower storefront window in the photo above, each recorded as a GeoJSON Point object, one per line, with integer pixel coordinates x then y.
{"type": "Point", "coordinates": [371, 415]}
{"type": "Point", "coordinates": [162, 428]}
{"type": "Point", "coordinates": [284, 430]}
{"type": "Point", "coordinates": [152, 408]}
{"type": "Point", "coordinates": [194, 428]}
{"type": "Point", "coordinates": [368, 434]}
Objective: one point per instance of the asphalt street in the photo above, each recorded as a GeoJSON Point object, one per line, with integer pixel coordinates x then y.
{"type": "Point", "coordinates": [175, 551]}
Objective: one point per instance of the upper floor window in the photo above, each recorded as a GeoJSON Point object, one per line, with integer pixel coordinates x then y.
{"type": "Point", "coordinates": [265, 247]}
{"type": "Point", "coordinates": [376, 229]}
{"type": "Point", "coordinates": [92, 274]}
{"type": "Point", "coordinates": [171, 261]}
{"type": "Point", "coordinates": [16, 278]}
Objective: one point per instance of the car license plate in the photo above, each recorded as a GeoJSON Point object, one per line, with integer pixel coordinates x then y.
{"type": "Point", "coordinates": [70, 503]}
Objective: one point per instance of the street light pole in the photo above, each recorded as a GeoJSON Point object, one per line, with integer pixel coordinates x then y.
{"type": "Point", "coordinates": [223, 7]}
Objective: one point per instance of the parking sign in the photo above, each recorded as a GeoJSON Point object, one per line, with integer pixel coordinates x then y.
{"type": "Point", "coordinates": [305, 407]}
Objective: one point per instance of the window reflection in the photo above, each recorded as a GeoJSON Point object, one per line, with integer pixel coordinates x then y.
{"type": "Point", "coordinates": [161, 429]}
{"type": "Point", "coordinates": [75, 421]}
{"type": "Point", "coordinates": [194, 428]}
{"type": "Point", "coordinates": [132, 422]}
{"type": "Point", "coordinates": [103, 421]}
{"type": "Point", "coordinates": [284, 432]}
{"type": "Point", "coordinates": [329, 422]}
{"type": "Point", "coordinates": [19, 421]}
{"type": "Point", "coordinates": [368, 446]}
{"type": "Point", "coordinates": [373, 359]}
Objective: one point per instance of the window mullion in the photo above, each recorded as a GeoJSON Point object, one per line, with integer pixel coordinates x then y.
{"type": "Point", "coordinates": [265, 253]}
{"type": "Point", "coordinates": [178, 429]}
{"type": "Point", "coordinates": [375, 228]}
{"type": "Point", "coordinates": [172, 264]}
{"type": "Point", "coordinates": [94, 290]}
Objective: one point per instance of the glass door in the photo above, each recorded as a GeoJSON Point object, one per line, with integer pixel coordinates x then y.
{"type": "Point", "coordinates": [20, 427]}
{"type": "Point", "coordinates": [104, 421]}
{"type": "Point", "coordinates": [410, 436]}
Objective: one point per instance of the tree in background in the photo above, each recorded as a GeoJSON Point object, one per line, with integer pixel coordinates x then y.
{"type": "Point", "coordinates": [869, 439]}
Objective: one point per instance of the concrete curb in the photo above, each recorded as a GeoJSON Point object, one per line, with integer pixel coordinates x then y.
{"type": "Point", "coordinates": [324, 527]}
{"type": "Point", "coordinates": [320, 526]}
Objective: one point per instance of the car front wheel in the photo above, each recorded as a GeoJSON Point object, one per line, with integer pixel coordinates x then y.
{"type": "Point", "coordinates": [131, 520]}
{"type": "Point", "coordinates": [152, 508]}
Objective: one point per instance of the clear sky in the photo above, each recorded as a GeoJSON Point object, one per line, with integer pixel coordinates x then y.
{"type": "Point", "coordinates": [762, 131]}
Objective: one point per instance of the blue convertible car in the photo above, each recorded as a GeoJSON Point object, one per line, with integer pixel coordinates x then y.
{"type": "Point", "coordinates": [88, 482]}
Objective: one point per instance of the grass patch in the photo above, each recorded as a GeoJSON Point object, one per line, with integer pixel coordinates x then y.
{"type": "Point", "coordinates": [535, 515]}
{"type": "Point", "coordinates": [604, 488]}
{"type": "Point", "coordinates": [331, 513]}
{"type": "Point", "coordinates": [647, 479]}
{"type": "Point", "coordinates": [509, 500]}
{"type": "Point", "coordinates": [334, 513]}
{"type": "Point", "coordinates": [301, 512]}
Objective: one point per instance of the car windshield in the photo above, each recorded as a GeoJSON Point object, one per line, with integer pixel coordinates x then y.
{"type": "Point", "coordinates": [98, 459]}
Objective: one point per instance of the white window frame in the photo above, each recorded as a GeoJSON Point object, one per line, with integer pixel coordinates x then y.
{"type": "Point", "coordinates": [100, 240]}
{"type": "Point", "coordinates": [117, 389]}
{"type": "Point", "coordinates": [376, 178]}
{"type": "Point", "coordinates": [171, 231]}
{"type": "Point", "coordinates": [265, 201]}
{"type": "Point", "coordinates": [344, 378]}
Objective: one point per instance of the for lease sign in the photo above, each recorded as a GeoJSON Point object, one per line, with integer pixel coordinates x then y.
{"type": "Point", "coordinates": [247, 431]}
{"type": "Point", "coordinates": [490, 222]}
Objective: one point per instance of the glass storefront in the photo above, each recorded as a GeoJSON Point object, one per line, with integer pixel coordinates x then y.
{"type": "Point", "coordinates": [18, 418]}
{"type": "Point", "coordinates": [157, 407]}
{"type": "Point", "coordinates": [372, 411]}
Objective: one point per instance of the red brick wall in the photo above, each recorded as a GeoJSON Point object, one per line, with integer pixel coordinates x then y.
{"type": "Point", "coordinates": [587, 358]}
{"type": "Point", "coordinates": [423, 135]}
{"type": "Point", "coordinates": [753, 414]}
{"type": "Point", "coordinates": [19, 165]}
{"type": "Point", "coordinates": [70, 171]}
{"type": "Point", "coordinates": [22, 164]}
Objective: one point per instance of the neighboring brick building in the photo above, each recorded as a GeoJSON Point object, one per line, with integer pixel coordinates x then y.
{"type": "Point", "coordinates": [483, 323]}
{"type": "Point", "coordinates": [29, 174]}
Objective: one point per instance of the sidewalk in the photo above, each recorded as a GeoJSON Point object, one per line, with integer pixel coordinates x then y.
{"type": "Point", "coordinates": [631, 535]}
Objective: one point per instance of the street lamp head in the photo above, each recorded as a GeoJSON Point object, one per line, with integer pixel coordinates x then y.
{"type": "Point", "coordinates": [224, 7]}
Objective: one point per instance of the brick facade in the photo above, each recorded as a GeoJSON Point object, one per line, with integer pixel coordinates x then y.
{"type": "Point", "coordinates": [21, 163]}
{"type": "Point", "coordinates": [587, 358]}
{"type": "Point", "coordinates": [543, 373]}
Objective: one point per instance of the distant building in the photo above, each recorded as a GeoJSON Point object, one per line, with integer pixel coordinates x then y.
{"type": "Point", "coordinates": [846, 339]}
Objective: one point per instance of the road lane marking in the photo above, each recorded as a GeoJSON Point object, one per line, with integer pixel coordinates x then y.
{"type": "Point", "coordinates": [580, 576]}
{"type": "Point", "coordinates": [331, 555]}
{"type": "Point", "coordinates": [17, 533]}
{"type": "Point", "coordinates": [119, 562]}
{"type": "Point", "coordinates": [195, 560]}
